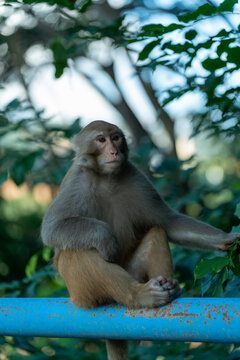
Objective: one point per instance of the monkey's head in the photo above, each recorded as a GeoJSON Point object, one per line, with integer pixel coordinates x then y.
{"type": "Point", "coordinates": [102, 147]}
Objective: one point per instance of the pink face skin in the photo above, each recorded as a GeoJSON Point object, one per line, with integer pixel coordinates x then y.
{"type": "Point", "coordinates": [109, 147]}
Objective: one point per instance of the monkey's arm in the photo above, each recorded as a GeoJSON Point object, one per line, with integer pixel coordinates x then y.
{"type": "Point", "coordinates": [186, 231]}
{"type": "Point", "coordinates": [67, 223]}
{"type": "Point", "coordinates": [181, 229]}
{"type": "Point", "coordinates": [80, 233]}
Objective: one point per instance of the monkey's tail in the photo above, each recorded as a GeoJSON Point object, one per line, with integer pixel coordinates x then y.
{"type": "Point", "coordinates": [117, 349]}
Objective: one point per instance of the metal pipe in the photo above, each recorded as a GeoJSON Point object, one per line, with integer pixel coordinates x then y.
{"type": "Point", "coordinates": [185, 319]}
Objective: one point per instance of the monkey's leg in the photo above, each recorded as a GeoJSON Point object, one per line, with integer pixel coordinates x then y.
{"type": "Point", "coordinates": [152, 257]}
{"type": "Point", "coordinates": [92, 281]}
{"type": "Point", "coordinates": [117, 349]}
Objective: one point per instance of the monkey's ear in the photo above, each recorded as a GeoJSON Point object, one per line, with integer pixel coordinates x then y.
{"type": "Point", "coordinates": [75, 143]}
{"type": "Point", "coordinates": [82, 158]}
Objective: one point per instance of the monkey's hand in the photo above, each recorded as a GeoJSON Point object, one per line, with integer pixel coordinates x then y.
{"type": "Point", "coordinates": [107, 244]}
{"type": "Point", "coordinates": [111, 251]}
{"type": "Point", "coordinates": [231, 239]}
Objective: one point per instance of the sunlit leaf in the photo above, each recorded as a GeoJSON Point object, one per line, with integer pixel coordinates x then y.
{"type": "Point", "coordinates": [32, 265]}
{"type": "Point", "coordinates": [47, 254]}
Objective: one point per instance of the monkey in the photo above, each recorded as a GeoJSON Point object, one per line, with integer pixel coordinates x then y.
{"type": "Point", "coordinates": [110, 230]}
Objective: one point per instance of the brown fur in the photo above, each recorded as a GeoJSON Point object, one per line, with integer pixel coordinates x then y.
{"type": "Point", "coordinates": [92, 281]}
{"type": "Point", "coordinates": [109, 228]}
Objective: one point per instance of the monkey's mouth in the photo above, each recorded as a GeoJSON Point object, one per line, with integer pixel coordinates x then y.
{"type": "Point", "coordinates": [112, 162]}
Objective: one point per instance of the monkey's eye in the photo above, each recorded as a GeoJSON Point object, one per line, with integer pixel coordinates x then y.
{"type": "Point", "coordinates": [101, 139]}
{"type": "Point", "coordinates": [115, 137]}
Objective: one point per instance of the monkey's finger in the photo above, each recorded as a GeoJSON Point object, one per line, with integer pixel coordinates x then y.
{"type": "Point", "coordinates": [161, 279]}
{"type": "Point", "coordinates": [160, 294]}
{"type": "Point", "coordinates": [225, 245]}
{"type": "Point", "coordinates": [165, 296]}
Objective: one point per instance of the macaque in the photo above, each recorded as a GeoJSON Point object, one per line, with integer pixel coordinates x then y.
{"type": "Point", "coordinates": [110, 230]}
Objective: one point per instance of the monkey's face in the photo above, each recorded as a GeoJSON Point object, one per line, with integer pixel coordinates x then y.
{"type": "Point", "coordinates": [101, 147]}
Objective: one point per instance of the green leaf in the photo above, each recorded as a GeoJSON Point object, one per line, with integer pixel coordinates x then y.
{"type": "Point", "coordinates": [210, 265]}
{"type": "Point", "coordinates": [234, 55]}
{"type": "Point", "coordinates": [31, 266]}
{"type": "Point", "coordinates": [60, 56]}
{"type": "Point", "coordinates": [3, 121]}
{"type": "Point", "coordinates": [64, 3]}
{"type": "Point", "coordinates": [191, 34]}
{"type": "Point", "coordinates": [204, 10]}
{"type": "Point", "coordinates": [18, 174]}
{"type": "Point", "coordinates": [85, 6]}
{"type": "Point", "coordinates": [233, 255]}
{"type": "Point", "coordinates": [237, 211]}
{"type": "Point", "coordinates": [224, 46]}
{"type": "Point", "coordinates": [181, 47]}
{"type": "Point", "coordinates": [147, 49]}
{"type": "Point", "coordinates": [159, 29]}
{"type": "Point", "coordinates": [217, 289]}
{"type": "Point", "coordinates": [214, 284]}
{"type": "Point", "coordinates": [73, 129]}
{"type": "Point", "coordinates": [236, 229]}
{"type": "Point", "coordinates": [13, 105]}
{"type": "Point", "coordinates": [213, 64]}
{"type": "Point", "coordinates": [221, 33]}
{"type": "Point", "coordinates": [172, 95]}
{"type": "Point", "coordinates": [227, 5]}
{"type": "Point", "coordinates": [225, 275]}
{"type": "Point", "coordinates": [47, 254]}
{"type": "Point", "coordinates": [236, 267]}
{"type": "Point", "coordinates": [3, 177]}
{"type": "Point", "coordinates": [235, 264]}
{"type": "Point", "coordinates": [206, 45]}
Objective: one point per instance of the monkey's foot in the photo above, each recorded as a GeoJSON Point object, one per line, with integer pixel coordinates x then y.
{"type": "Point", "coordinates": [158, 291]}
{"type": "Point", "coordinates": [169, 285]}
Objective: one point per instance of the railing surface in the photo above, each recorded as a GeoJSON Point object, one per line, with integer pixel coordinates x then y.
{"type": "Point", "coordinates": [185, 319]}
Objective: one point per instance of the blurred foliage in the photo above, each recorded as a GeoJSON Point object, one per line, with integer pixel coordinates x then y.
{"type": "Point", "coordinates": [221, 113]}
{"type": "Point", "coordinates": [43, 154]}
{"type": "Point", "coordinates": [34, 151]}
{"type": "Point", "coordinates": [218, 270]}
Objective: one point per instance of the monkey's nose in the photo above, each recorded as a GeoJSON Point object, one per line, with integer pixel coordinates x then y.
{"type": "Point", "coordinates": [114, 152]}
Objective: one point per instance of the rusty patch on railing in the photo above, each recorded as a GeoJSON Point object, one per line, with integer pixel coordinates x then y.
{"type": "Point", "coordinates": [180, 311]}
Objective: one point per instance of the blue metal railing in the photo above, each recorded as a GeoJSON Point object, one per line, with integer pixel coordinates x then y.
{"type": "Point", "coordinates": [185, 319]}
